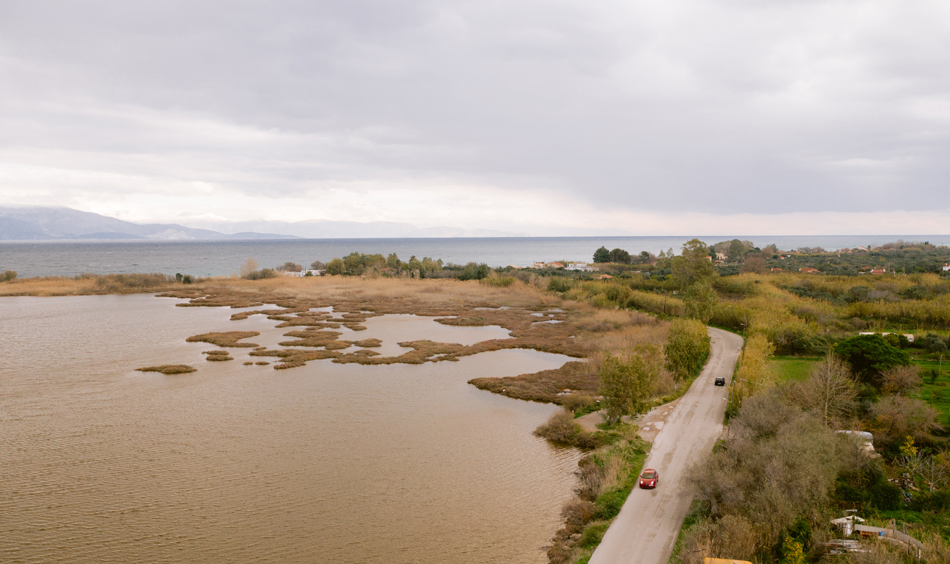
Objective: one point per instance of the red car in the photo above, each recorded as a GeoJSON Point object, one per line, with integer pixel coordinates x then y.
{"type": "Point", "coordinates": [649, 478]}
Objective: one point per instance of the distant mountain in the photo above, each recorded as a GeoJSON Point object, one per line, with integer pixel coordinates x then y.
{"type": "Point", "coordinates": [324, 229]}
{"type": "Point", "coordinates": [39, 223]}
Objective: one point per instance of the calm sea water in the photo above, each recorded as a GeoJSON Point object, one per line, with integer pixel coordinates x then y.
{"type": "Point", "coordinates": [323, 463]}
{"type": "Point", "coordinates": [222, 258]}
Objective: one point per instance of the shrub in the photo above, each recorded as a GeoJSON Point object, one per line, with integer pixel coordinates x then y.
{"type": "Point", "coordinates": [261, 274]}
{"type": "Point", "coordinates": [499, 281]}
{"type": "Point", "coordinates": [896, 417]}
{"type": "Point", "coordinates": [885, 496]}
{"type": "Point", "coordinates": [473, 271]}
{"type": "Point", "coordinates": [901, 380]}
{"type": "Point", "coordinates": [869, 356]}
{"type": "Point", "coordinates": [561, 428]}
{"type": "Point", "coordinates": [118, 283]}
{"type": "Point", "coordinates": [593, 534]}
{"type": "Point", "coordinates": [686, 349]}
{"type": "Point", "coordinates": [8, 276]}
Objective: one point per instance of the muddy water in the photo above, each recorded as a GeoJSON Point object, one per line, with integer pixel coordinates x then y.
{"type": "Point", "coordinates": [324, 463]}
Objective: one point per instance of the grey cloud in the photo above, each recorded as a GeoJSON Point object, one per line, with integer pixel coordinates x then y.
{"type": "Point", "coordinates": [720, 107]}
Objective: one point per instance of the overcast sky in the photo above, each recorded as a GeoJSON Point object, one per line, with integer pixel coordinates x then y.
{"type": "Point", "coordinates": [549, 117]}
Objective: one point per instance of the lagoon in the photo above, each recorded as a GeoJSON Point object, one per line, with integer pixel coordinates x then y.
{"type": "Point", "coordinates": [322, 463]}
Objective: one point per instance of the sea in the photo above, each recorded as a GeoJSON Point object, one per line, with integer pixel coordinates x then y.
{"type": "Point", "coordinates": [222, 258]}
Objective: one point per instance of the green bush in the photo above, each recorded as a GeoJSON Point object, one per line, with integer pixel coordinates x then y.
{"type": "Point", "coordinates": [610, 502]}
{"type": "Point", "coordinates": [559, 284]}
{"type": "Point", "coordinates": [499, 282]}
{"type": "Point", "coordinates": [885, 496]}
{"type": "Point", "coordinates": [8, 276]}
{"type": "Point", "coordinates": [474, 271]}
{"type": "Point", "coordinates": [593, 534]}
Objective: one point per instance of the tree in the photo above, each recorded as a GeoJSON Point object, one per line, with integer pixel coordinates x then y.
{"type": "Point", "coordinates": [473, 271]}
{"type": "Point", "coordinates": [901, 380]}
{"type": "Point", "coordinates": [392, 261]}
{"type": "Point", "coordinates": [289, 267]}
{"type": "Point", "coordinates": [700, 301]}
{"type": "Point", "coordinates": [687, 348]}
{"type": "Point", "coordinates": [754, 262]}
{"type": "Point", "coordinates": [249, 266]}
{"type": "Point", "coordinates": [936, 346]}
{"type": "Point", "coordinates": [736, 250]}
{"type": "Point", "coordinates": [620, 256]}
{"type": "Point", "coordinates": [628, 382]}
{"type": "Point", "coordinates": [693, 265]}
{"type": "Point", "coordinates": [830, 391]}
{"type": "Point", "coordinates": [602, 255]}
{"type": "Point", "coordinates": [317, 265]}
{"type": "Point", "coordinates": [336, 266]}
{"type": "Point", "coordinates": [869, 356]}
{"type": "Point", "coordinates": [8, 276]}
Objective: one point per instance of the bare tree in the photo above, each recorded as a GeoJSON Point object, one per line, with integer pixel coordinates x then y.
{"type": "Point", "coordinates": [934, 472]}
{"type": "Point", "coordinates": [901, 380]}
{"type": "Point", "coordinates": [830, 391]}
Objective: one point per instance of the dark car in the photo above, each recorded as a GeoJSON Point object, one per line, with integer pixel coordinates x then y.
{"type": "Point", "coordinates": [720, 381]}
{"type": "Point", "coordinates": [649, 478]}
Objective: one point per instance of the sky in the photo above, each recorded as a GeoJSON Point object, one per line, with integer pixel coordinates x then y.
{"type": "Point", "coordinates": [545, 117]}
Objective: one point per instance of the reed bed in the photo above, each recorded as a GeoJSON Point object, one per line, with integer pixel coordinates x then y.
{"type": "Point", "coordinates": [225, 339]}
{"type": "Point", "coordinates": [169, 369]}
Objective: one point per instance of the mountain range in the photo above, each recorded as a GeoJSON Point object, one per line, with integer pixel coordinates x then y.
{"type": "Point", "coordinates": [42, 223]}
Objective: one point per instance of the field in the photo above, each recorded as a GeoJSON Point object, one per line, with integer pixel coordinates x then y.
{"type": "Point", "coordinates": [792, 368]}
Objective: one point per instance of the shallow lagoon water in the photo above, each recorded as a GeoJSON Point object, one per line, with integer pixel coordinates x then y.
{"type": "Point", "coordinates": [323, 463]}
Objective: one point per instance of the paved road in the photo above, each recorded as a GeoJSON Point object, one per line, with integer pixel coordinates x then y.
{"type": "Point", "coordinates": [650, 520]}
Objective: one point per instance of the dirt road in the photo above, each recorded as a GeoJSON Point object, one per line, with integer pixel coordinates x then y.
{"type": "Point", "coordinates": [650, 520]}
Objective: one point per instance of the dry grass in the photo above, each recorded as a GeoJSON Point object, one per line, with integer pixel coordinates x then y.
{"type": "Point", "coordinates": [217, 356]}
{"type": "Point", "coordinates": [169, 369]}
{"type": "Point", "coordinates": [90, 284]}
{"type": "Point", "coordinates": [225, 339]}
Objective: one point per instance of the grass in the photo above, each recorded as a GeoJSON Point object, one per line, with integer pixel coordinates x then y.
{"type": "Point", "coordinates": [169, 369]}
{"type": "Point", "coordinates": [938, 393]}
{"type": "Point", "coordinates": [792, 368]}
